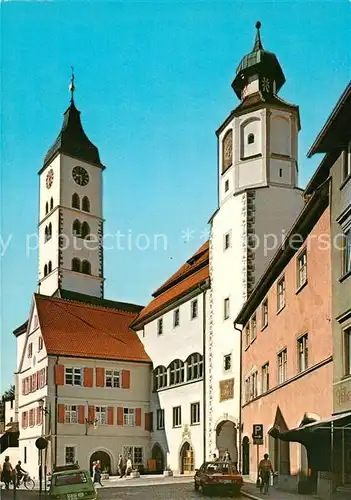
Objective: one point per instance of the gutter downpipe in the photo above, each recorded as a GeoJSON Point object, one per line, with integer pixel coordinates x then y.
{"type": "Point", "coordinates": [240, 395]}
{"type": "Point", "coordinates": [203, 288]}
{"type": "Point", "coordinates": [56, 396]}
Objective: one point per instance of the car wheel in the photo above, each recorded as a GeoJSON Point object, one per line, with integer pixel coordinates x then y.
{"type": "Point", "coordinates": [196, 486]}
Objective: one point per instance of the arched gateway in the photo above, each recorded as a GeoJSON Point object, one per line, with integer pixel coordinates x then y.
{"type": "Point", "coordinates": [186, 459]}
{"type": "Point", "coordinates": [104, 458]}
{"type": "Point", "coordinates": [158, 455]}
{"type": "Point", "coordinates": [226, 439]}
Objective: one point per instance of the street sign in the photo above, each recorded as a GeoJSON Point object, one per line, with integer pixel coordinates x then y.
{"type": "Point", "coordinates": [257, 434]}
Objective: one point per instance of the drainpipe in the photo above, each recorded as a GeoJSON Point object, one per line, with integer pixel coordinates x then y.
{"type": "Point", "coordinates": [240, 395]}
{"type": "Point", "coordinates": [204, 369]}
{"type": "Point", "coordinates": [55, 413]}
{"type": "Point", "coordinates": [203, 288]}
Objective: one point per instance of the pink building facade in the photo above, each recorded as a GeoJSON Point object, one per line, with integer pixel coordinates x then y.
{"type": "Point", "coordinates": [287, 369]}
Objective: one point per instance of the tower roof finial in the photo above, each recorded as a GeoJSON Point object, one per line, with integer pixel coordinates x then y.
{"type": "Point", "coordinates": [72, 88]}
{"type": "Point", "coordinates": [258, 43]}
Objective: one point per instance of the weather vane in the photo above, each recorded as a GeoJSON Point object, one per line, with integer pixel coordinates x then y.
{"type": "Point", "coordinates": [71, 85]}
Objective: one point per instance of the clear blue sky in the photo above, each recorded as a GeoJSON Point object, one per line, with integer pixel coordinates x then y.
{"type": "Point", "coordinates": [153, 84]}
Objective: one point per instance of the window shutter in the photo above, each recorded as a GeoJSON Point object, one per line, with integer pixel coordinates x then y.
{"type": "Point", "coordinates": [100, 377]}
{"type": "Point", "coordinates": [125, 379]}
{"type": "Point", "coordinates": [61, 414]}
{"type": "Point", "coordinates": [23, 389]}
{"type": "Point", "coordinates": [23, 417]}
{"type": "Point", "coordinates": [59, 374]}
{"type": "Point", "coordinates": [148, 422]}
{"type": "Point", "coordinates": [91, 413]}
{"type": "Point", "coordinates": [110, 416]}
{"type": "Point", "coordinates": [138, 417]}
{"type": "Point", "coordinates": [39, 386]}
{"type": "Point", "coordinates": [46, 376]}
{"type": "Point", "coordinates": [88, 377]}
{"type": "Point", "coordinates": [81, 414]}
{"type": "Point", "coordinates": [119, 416]}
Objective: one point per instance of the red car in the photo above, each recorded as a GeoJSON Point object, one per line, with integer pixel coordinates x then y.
{"type": "Point", "coordinates": [222, 476]}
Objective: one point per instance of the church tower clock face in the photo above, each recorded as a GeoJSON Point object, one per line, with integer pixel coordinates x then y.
{"type": "Point", "coordinates": [80, 175]}
{"type": "Point", "coordinates": [49, 178]}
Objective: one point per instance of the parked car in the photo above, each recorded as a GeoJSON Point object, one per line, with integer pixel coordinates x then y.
{"type": "Point", "coordinates": [71, 483]}
{"type": "Point", "coordinates": [220, 476]}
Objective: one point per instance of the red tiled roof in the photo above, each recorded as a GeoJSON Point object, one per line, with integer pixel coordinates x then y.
{"type": "Point", "coordinates": [72, 328]}
{"type": "Point", "coordinates": [188, 277]}
{"type": "Point", "coordinates": [191, 264]}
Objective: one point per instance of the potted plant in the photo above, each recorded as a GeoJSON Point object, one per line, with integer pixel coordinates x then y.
{"type": "Point", "coordinates": [105, 474]}
{"type": "Point", "coordinates": [168, 471]}
{"type": "Point", "coordinates": [135, 473]}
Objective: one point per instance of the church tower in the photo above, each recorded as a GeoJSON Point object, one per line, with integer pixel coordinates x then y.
{"type": "Point", "coordinates": [258, 201]}
{"type": "Point", "coordinates": [70, 212]}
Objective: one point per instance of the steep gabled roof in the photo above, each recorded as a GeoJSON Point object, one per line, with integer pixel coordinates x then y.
{"type": "Point", "coordinates": [76, 329]}
{"type": "Point", "coordinates": [188, 277]}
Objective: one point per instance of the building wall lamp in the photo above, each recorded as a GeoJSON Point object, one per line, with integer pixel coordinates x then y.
{"type": "Point", "coordinates": [90, 423]}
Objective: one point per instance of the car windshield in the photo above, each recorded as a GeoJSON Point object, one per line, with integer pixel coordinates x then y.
{"type": "Point", "coordinates": [66, 479]}
{"type": "Point", "coordinates": [220, 468]}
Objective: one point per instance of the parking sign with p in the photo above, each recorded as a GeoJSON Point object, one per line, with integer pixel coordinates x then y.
{"type": "Point", "coordinates": [257, 434]}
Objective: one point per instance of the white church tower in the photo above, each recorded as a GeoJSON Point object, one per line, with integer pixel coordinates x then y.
{"type": "Point", "coordinates": [70, 212]}
{"type": "Point", "coordinates": [258, 200]}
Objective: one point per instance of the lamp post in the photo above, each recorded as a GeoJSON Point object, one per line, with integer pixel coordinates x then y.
{"type": "Point", "coordinates": [46, 412]}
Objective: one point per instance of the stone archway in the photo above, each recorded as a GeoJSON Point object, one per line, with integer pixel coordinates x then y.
{"type": "Point", "coordinates": [246, 456]}
{"type": "Point", "coordinates": [104, 458]}
{"type": "Point", "coordinates": [226, 439]}
{"type": "Point", "coordinates": [186, 459]}
{"type": "Point", "coordinates": [158, 455]}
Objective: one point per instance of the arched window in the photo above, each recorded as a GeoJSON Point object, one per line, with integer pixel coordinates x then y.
{"type": "Point", "coordinates": [50, 267]}
{"type": "Point", "coordinates": [50, 231]}
{"type": "Point", "coordinates": [76, 228]}
{"type": "Point", "coordinates": [86, 267]}
{"type": "Point", "coordinates": [86, 204]}
{"type": "Point", "coordinates": [160, 378]}
{"type": "Point", "coordinates": [76, 265]}
{"type": "Point", "coordinates": [46, 208]}
{"type": "Point", "coordinates": [75, 201]}
{"type": "Point", "coordinates": [250, 139]}
{"type": "Point", "coordinates": [45, 270]}
{"type": "Point", "coordinates": [194, 366]}
{"type": "Point", "coordinates": [46, 234]}
{"type": "Point", "coordinates": [51, 203]}
{"type": "Point", "coordinates": [85, 230]}
{"type": "Point", "coordinates": [176, 372]}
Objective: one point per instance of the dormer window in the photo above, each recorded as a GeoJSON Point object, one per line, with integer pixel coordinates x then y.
{"type": "Point", "coordinates": [250, 139]}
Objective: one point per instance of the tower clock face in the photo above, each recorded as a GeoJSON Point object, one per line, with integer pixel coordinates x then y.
{"type": "Point", "coordinates": [49, 178]}
{"type": "Point", "coordinates": [80, 175]}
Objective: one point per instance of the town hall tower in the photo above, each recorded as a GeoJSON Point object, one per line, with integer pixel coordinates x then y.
{"type": "Point", "coordinates": [258, 200]}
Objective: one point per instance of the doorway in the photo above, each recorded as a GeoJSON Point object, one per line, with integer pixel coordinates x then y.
{"type": "Point", "coordinates": [158, 456]}
{"type": "Point", "coordinates": [187, 459]}
{"type": "Point", "coordinates": [105, 460]}
{"type": "Point", "coordinates": [246, 456]}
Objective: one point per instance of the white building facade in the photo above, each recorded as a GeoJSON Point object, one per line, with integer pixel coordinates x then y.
{"type": "Point", "coordinates": [173, 330]}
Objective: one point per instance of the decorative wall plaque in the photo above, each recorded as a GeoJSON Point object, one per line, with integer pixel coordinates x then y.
{"type": "Point", "coordinates": [227, 150]}
{"type": "Point", "coordinates": [226, 389]}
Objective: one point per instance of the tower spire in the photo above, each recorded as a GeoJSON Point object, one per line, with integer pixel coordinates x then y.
{"type": "Point", "coordinates": [258, 43]}
{"type": "Point", "coordinates": [72, 88]}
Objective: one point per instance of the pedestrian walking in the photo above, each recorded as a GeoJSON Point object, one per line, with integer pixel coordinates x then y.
{"type": "Point", "coordinates": [97, 473]}
{"type": "Point", "coordinates": [129, 466]}
{"type": "Point", "coordinates": [121, 465]}
{"type": "Point", "coordinates": [7, 472]}
{"type": "Point", "coordinates": [265, 469]}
